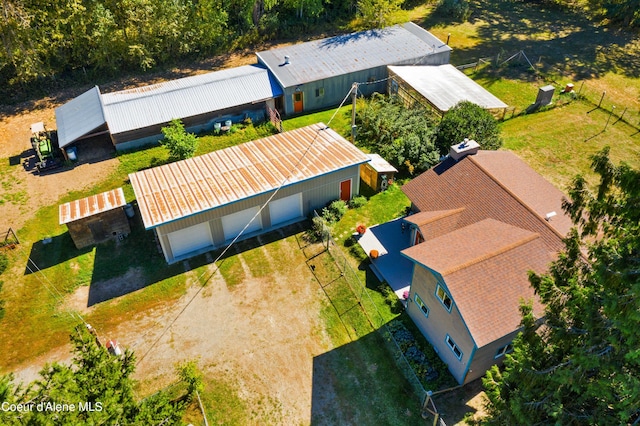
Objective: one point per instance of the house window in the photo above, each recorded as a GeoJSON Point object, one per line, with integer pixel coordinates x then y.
{"type": "Point", "coordinates": [424, 308]}
{"type": "Point", "coordinates": [319, 92]}
{"type": "Point", "coordinates": [444, 297]}
{"type": "Point", "coordinates": [454, 348]}
{"type": "Point", "coordinates": [504, 350]}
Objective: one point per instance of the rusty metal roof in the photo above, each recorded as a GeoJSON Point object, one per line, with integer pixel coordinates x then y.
{"type": "Point", "coordinates": [89, 206]}
{"type": "Point", "coordinates": [184, 188]}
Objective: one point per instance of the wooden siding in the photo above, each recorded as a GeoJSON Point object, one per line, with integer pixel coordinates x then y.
{"type": "Point", "coordinates": [440, 323]}
{"type": "Point", "coordinates": [316, 193]}
{"type": "Point", "coordinates": [98, 228]}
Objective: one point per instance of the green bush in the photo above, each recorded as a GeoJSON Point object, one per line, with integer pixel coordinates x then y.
{"type": "Point", "coordinates": [178, 141]}
{"type": "Point", "coordinates": [334, 211]}
{"type": "Point", "coordinates": [358, 201]}
{"type": "Point", "coordinates": [4, 262]}
{"type": "Point", "coordinates": [319, 230]}
{"type": "Point", "coordinates": [456, 9]}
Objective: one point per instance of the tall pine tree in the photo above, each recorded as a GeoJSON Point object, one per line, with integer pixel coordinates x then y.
{"type": "Point", "coordinates": [582, 364]}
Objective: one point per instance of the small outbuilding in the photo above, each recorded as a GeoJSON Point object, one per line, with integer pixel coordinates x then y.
{"type": "Point", "coordinates": [201, 203]}
{"type": "Point", "coordinates": [319, 74]}
{"type": "Point", "coordinates": [377, 173]}
{"type": "Point", "coordinates": [96, 218]}
{"type": "Point", "coordinates": [440, 87]}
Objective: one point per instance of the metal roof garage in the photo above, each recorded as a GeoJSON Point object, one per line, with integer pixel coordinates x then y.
{"type": "Point", "coordinates": [204, 202]}
{"type": "Point", "coordinates": [135, 116]}
{"type": "Point", "coordinates": [319, 74]}
{"type": "Point", "coordinates": [440, 86]}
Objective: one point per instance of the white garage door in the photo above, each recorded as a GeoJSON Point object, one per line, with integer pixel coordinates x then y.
{"type": "Point", "coordinates": [233, 223]}
{"type": "Point", "coordinates": [285, 209]}
{"type": "Point", "coordinates": [190, 239]}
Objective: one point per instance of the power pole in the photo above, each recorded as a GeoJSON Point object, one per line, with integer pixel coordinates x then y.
{"type": "Point", "coordinates": [354, 94]}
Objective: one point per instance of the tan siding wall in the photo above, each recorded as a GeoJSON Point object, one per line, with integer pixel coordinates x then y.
{"type": "Point", "coordinates": [440, 322]}
{"type": "Point", "coordinates": [484, 357]}
{"type": "Point", "coordinates": [316, 194]}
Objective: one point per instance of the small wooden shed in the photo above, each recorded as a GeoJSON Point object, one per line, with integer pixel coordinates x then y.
{"type": "Point", "coordinates": [377, 173]}
{"type": "Point", "coordinates": [96, 218]}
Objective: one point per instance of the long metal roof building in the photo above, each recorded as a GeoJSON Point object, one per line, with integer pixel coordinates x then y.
{"type": "Point", "coordinates": [145, 106]}
{"type": "Point", "coordinates": [195, 185]}
{"type": "Point", "coordinates": [349, 53]}
{"type": "Point", "coordinates": [142, 107]}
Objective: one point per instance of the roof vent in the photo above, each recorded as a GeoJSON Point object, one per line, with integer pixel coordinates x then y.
{"type": "Point", "coordinates": [466, 147]}
{"type": "Point", "coordinates": [549, 216]}
{"type": "Point", "coordinates": [287, 60]}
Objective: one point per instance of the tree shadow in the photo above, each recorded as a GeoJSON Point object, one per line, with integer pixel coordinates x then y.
{"type": "Point", "coordinates": [564, 40]}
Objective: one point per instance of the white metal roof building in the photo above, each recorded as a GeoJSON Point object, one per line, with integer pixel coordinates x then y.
{"type": "Point", "coordinates": [135, 116]}
{"type": "Point", "coordinates": [442, 86]}
{"type": "Point", "coordinates": [202, 202]}
{"type": "Point", "coordinates": [322, 71]}
{"type": "Point", "coordinates": [79, 117]}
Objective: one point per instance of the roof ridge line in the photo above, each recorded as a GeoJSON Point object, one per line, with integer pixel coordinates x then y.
{"type": "Point", "coordinates": [445, 214]}
{"type": "Point", "coordinates": [152, 92]}
{"type": "Point", "coordinates": [518, 199]}
{"type": "Point", "coordinates": [498, 252]}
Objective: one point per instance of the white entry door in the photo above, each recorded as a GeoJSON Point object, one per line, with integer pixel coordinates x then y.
{"type": "Point", "coordinates": [233, 223]}
{"type": "Point", "coordinates": [190, 239]}
{"type": "Point", "coordinates": [285, 209]}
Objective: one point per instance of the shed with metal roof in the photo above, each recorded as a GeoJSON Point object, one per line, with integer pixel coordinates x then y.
{"type": "Point", "coordinates": [441, 87]}
{"type": "Point", "coordinates": [95, 219]}
{"type": "Point", "coordinates": [201, 203]}
{"type": "Point", "coordinates": [319, 74]}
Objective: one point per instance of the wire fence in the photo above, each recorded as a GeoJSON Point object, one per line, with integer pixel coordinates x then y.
{"type": "Point", "coordinates": [348, 276]}
{"type": "Point", "coordinates": [625, 110]}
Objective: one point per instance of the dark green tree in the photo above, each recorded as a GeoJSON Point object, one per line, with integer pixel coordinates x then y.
{"type": "Point", "coordinates": [403, 136]}
{"type": "Point", "coordinates": [582, 366]}
{"type": "Point", "coordinates": [96, 389]}
{"type": "Point", "coordinates": [468, 120]}
{"type": "Point", "coordinates": [178, 141]}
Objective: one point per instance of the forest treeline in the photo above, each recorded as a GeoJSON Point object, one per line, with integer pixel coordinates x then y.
{"type": "Point", "coordinates": [48, 40]}
{"type": "Point", "coordinates": [45, 39]}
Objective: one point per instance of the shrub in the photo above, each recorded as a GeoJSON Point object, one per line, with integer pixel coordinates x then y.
{"type": "Point", "coordinates": [357, 202]}
{"type": "Point", "coordinates": [180, 144]}
{"type": "Point", "coordinates": [468, 120]}
{"type": "Point", "coordinates": [334, 211]}
{"type": "Point", "coordinates": [455, 9]}
{"type": "Point", "coordinates": [319, 230]}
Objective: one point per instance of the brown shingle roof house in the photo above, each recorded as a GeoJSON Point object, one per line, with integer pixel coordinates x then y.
{"type": "Point", "coordinates": [481, 223]}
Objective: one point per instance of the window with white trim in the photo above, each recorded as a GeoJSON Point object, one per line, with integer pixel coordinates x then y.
{"type": "Point", "coordinates": [442, 295]}
{"type": "Point", "coordinates": [504, 350]}
{"type": "Point", "coordinates": [424, 308]}
{"type": "Point", "coordinates": [454, 348]}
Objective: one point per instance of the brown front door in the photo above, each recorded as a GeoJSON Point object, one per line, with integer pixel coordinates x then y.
{"type": "Point", "coordinates": [345, 190]}
{"type": "Point", "coordinates": [297, 102]}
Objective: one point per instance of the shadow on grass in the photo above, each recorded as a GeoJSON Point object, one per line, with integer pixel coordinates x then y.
{"type": "Point", "coordinates": [50, 252]}
{"type": "Point", "coordinates": [124, 266]}
{"type": "Point", "coordinates": [358, 383]}
{"type": "Point", "coordinates": [566, 40]}
{"type": "Point", "coordinates": [132, 264]}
